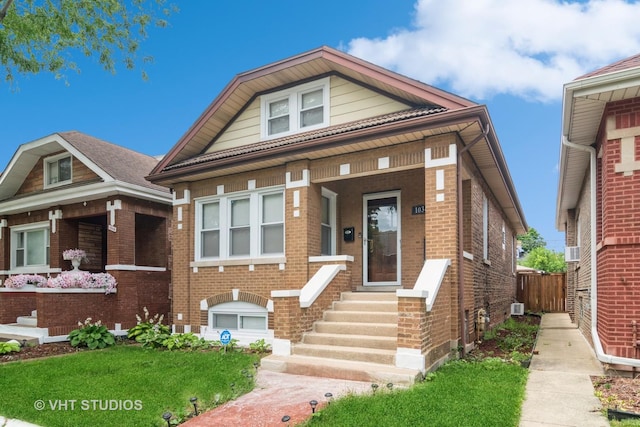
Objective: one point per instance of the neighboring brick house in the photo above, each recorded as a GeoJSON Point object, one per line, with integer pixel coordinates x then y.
{"type": "Point", "coordinates": [314, 179]}
{"type": "Point", "coordinates": [70, 190]}
{"type": "Point", "coordinates": [599, 205]}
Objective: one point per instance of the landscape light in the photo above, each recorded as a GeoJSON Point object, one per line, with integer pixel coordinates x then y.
{"type": "Point", "coordinates": [194, 401]}
{"type": "Point", "coordinates": [167, 416]}
{"type": "Point", "coordinates": [328, 396]}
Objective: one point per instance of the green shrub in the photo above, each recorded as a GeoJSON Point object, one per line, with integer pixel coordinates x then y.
{"type": "Point", "coordinates": [260, 346]}
{"type": "Point", "coordinates": [188, 340]}
{"type": "Point", "coordinates": [9, 347]}
{"type": "Point", "coordinates": [150, 332]}
{"type": "Point", "coordinates": [91, 335]}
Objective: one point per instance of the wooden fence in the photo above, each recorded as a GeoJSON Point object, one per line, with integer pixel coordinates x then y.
{"type": "Point", "coordinates": [542, 292]}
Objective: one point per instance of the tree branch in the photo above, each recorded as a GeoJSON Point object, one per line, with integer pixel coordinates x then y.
{"type": "Point", "coordinates": [5, 7]}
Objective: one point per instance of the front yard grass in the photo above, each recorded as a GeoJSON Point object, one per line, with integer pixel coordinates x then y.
{"type": "Point", "coordinates": [461, 393]}
{"type": "Point", "coordinates": [121, 385]}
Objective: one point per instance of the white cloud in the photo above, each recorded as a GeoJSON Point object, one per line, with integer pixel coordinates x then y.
{"type": "Point", "coordinates": [525, 48]}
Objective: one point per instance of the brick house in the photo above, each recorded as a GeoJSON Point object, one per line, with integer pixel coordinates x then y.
{"type": "Point", "coordinates": [70, 190]}
{"type": "Point", "coordinates": [341, 212]}
{"type": "Point", "coordinates": [597, 207]}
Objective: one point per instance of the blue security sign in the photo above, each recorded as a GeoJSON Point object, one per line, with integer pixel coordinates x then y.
{"type": "Point", "coordinates": [225, 337]}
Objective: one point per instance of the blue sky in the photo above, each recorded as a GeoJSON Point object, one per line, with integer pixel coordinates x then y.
{"type": "Point", "coordinates": [490, 51]}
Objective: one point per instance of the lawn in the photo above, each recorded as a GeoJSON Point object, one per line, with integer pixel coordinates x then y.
{"type": "Point", "coordinates": [461, 393]}
{"type": "Point", "coordinates": [121, 385]}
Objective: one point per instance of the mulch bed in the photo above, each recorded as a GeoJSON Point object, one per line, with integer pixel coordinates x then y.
{"type": "Point", "coordinates": [490, 347]}
{"type": "Point", "coordinates": [41, 350]}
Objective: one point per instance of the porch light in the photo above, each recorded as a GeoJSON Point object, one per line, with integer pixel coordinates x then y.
{"type": "Point", "coordinates": [313, 404]}
{"type": "Point", "coordinates": [167, 416]}
{"type": "Point", "coordinates": [194, 401]}
{"type": "Point", "coordinates": [328, 396]}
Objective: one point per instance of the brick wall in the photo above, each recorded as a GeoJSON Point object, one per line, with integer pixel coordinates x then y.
{"type": "Point", "coordinates": [14, 304]}
{"type": "Point", "coordinates": [618, 240]}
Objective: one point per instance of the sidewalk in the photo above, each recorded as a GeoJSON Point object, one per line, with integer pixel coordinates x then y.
{"type": "Point", "coordinates": [559, 391]}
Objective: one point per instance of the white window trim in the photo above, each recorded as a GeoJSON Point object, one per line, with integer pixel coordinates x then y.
{"type": "Point", "coordinates": [333, 198]}
{"type": "Point", "coordinates": [255, 222]}
{"type": "Point", "coordinates": [44, 225]}
{"type": "Point", "coordinates": [239, 308]}
{"type": "Point", "coordinates": [52, 159]}
{"type": "Point", "coordinates": [294, 94]}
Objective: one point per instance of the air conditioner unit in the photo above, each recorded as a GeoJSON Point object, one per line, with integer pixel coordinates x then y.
{"type": "Point", "coordinates": [572, 253]}
{"type": "Point", "coordinates": [517, 309]}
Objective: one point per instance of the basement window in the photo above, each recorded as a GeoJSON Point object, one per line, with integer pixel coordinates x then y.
{"type": "Point", "coordinates": [238, 316]}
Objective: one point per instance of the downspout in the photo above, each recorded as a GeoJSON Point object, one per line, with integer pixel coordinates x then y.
{"type": "Point", "coordinates": [602, 356]}
{"type": "Point", "coordinates": [460, 152]}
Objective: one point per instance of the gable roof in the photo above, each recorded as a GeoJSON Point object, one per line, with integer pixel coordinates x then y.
{"type": "Point", "coordinates": [120, 171]}
{"type": "Point", "coordinates": [318, 62]}
{"type": "Point", "coordinates": [584, 103]}
{"type": "Point", "coordinates": [430, 111]}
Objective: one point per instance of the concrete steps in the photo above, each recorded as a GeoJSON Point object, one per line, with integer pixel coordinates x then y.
{"type": "Point", "coordinates": [27, 321]}
{"type": "Point", "coordinates": [356, 339]}
{"type": "Point", "coordinates": [341, 369]}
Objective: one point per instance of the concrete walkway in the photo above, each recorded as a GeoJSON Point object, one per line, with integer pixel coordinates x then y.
{"type": "Point", "coordinates": [559, 391]}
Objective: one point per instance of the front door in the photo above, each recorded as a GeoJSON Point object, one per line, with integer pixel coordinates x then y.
{"type": "Point", "coordinates": [381, 239]}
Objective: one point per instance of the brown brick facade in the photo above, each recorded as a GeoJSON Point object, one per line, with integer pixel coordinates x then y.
{"type": "Point", "coordinates": [139, 240]}
{"type": "Point", "coordinates": [488, 284]}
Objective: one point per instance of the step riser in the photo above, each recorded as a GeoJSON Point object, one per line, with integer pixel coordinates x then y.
{"type": "Point", "coordinates": [360, 317]}
{"type": "Point", "coordinates": [346, 371]}
{"type": "Point", "coordinates": [351, 340]}
{"type": "Point", "coordinates": [369, 296]}
{"type": "Point", "coordinates": [366, 306]}
{"type": "Point", "coordinates": [337, 353]}
{"type": "Point", "coordinates": [372, 329]}
{"type": "Point", "coordinates": [27, 321]}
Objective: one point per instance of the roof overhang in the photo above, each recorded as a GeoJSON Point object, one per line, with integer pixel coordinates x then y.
{"type": "Point", "coordinates": [28, 155]}
{"type": "Point", "coordinates": [322, 61]}
{"type": "Point", "coordinates": [583, 106]}
{"type": "Point", "coordinates": [468, 123]}
{"type": "Point", "coordinates": [84, 193]}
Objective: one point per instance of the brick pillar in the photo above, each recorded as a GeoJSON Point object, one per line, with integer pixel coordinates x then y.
{"type": "Point", "coordinates": [121, 242]}
{"type": "Point", "coordinates": [441, 217]}
{"type": "Point", "coordinates": [182, 254]}
{"type": "Point", "coordinates": [297, 220]}
{"type": "Point", "coordinates": [412, 324]}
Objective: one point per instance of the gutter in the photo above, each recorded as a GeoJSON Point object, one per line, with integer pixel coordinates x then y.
{"type": "Point", "coordinates": [600, 354]}
{"type": "Point", "coordinates": [465, 148]}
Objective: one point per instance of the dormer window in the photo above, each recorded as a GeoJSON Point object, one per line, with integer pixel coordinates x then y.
{"type": "Point", "coordinates": [297, 109]}
{"type": "Point", "coordinates": [57, 170]}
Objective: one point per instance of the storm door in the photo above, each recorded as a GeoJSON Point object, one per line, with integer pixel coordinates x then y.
{"type": "Point", "coordinates": [381, 239]}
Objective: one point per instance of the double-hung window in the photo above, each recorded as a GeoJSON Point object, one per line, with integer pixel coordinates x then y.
{"type": "Point", "coordinates": [30, 246]}
{"type": "Point", "coordinates": [298, 109]}
{"type": "Point", "coordinates": [241, 225]}
{"type": "Point", "coordinates": [57, 170]}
